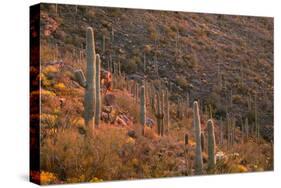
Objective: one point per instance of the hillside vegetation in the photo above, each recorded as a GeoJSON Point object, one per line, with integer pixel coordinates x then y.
{"type": "Point", "coordinates": [220, 64]}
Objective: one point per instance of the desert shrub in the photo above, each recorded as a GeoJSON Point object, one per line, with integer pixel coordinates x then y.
{"type": "Point", "coordinates": [220, 113]}
{"type": "Point", "coordinates": [153, 33]}
{"type": "Point", "coordinates": [147, 48]}
{"type": "Point", "coordinates": [59, 86]}
{"type": "Point", "coordinates": [237, 99]}
{"type": "Point", "coordinates": [128, 106]}
{"type": "Point", "coordinates": [48, 178]}
{"type": "Point", "coordinates": [132, 65]}
{"type": "Point", "coordinates": [46, 53]}
{"type": "Point", "coordinates": [190, 61]}
{"type": "Point", "coordinates": [70, 154]}
{"type": "Point", "coordinates": [181, 81]}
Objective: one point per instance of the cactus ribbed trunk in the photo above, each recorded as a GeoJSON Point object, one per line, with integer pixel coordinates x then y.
{"type": "Point", "coordinates": [98, 93]}
{"type": "Point", "coordinates": [90, 77]}
{"type": "Point", "coordinates": [197, 128]}
{"type": "Point", "coordinates": [211, 145]}
{"type": "Point", "coordinates": [142, 109]}
{"type": "Point", "coordinates": [202, 141]}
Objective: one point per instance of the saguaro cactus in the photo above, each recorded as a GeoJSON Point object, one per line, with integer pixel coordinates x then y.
{"type": "Point", "coordinates": [98, 93]}
{"type": "Point", "coordinates": [246, 128]}
{"type": "Point", "coordinates": [228, 129]}
{"type": "Point", "coordinates": [159, 113]}
{"type": "Point", "coordinates": [103, 44]}
{"type": "Point", "coordinates": [256, 119]}
{"type": "Point", "coordinates": [142, 109]}
{"type": "Point", "coordinates": [202, 141]}
{"type": "Point", "coordinates": [167, 110]}
{"type": "Point", "coordinates": [221, 131]}
{"type": "Point", "coordinates": [197, 128]}
{"type": "Point", "coordinates": [90, 77]}
{"type": "Point", "coordinates": [211, 145]}
{"type": "Point", "coordinates": [90, 81]}
{"type": "Point", "coordinates": [186, 151]}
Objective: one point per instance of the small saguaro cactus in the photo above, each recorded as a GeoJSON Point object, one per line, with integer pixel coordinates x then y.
{"type": "Point", "coordinates": [257, 127]}
{"type": "Point", "coordinates": [142, 109]}
{"type": "Point", "coordinates": [103, 44]}
{"type": "Point", "coordinates": [89, 82]}
{"type": "Point", "coordinates": [247, 128]}
{"type": "Point", "coordinates": [211, 145]}
{"type": "Point", "coordinates": [98, 92]}
{"type": "Point", "coordinates": [228, 129]}
{"type": "Point", "coordinates": [221, 131]}
{"type": "Point", "coordinates": [159, 113]}
{"type": "Point", "coordinates": [186, 148]}
{"type": "Point", "coordinates": [167, 111]}
{"type": "Point", "coordinates": [197, 128]}
{"type": "Point", "coordinates": [233, 125]}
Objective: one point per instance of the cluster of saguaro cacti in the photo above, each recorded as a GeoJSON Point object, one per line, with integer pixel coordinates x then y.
{"type": "Point", "coordinates": [180, 108]}
{"type": "Point", "coordinates": [230, 130]}
{"type": "Point", "coordinates": [211, 145]}
{"type": "Point", "coordinates": [91, 82]}
{"type": "Point", "coordinates": [197, 129]}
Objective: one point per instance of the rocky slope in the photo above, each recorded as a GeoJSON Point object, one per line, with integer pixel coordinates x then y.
{"type": "Point", "coordinates": [190, 53]}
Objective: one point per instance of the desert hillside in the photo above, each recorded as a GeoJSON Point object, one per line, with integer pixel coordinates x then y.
{"type": "Point", "coordinates": [168, 81]}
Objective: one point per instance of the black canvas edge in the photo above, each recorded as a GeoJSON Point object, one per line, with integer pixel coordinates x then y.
{"type": "Point", "coordinates": [34, 83]}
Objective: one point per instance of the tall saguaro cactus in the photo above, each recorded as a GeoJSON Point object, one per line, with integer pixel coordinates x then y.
{"type": "Point", "coordinates": [142, 109]}
{"type": "Point", "coordinates": [90, 77]}
{"type": "Point", "coordinates": [98, 92]}
{"type": "Point", "coordinates": [197, 128]}
{"type": "Point", "coordinates": [211, 145]}
{"type": "Point", "coordinates": [90, 81]}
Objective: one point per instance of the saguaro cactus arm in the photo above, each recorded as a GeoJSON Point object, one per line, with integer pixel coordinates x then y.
{"type": "Point", "coordinates": [80, 78]}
